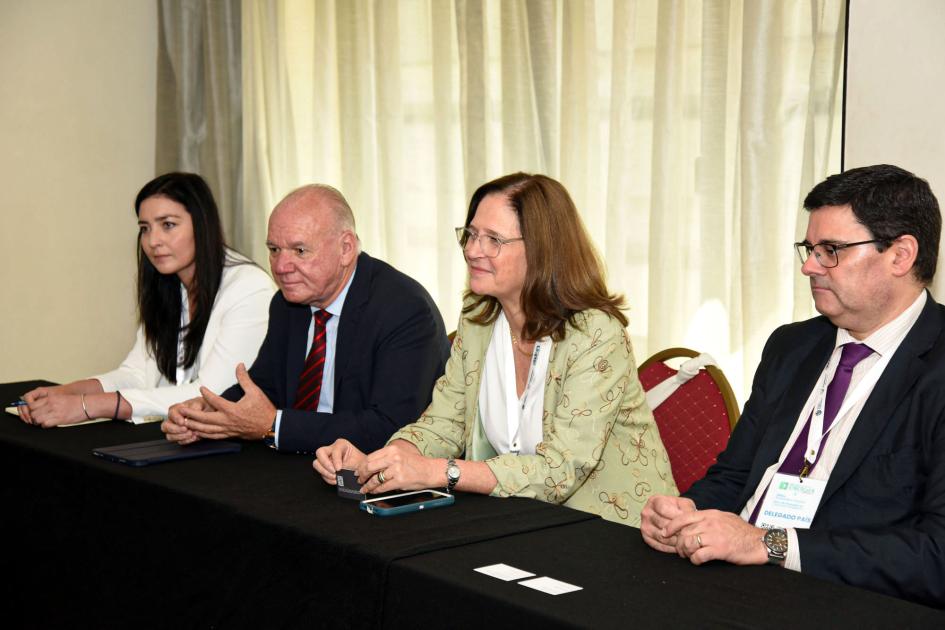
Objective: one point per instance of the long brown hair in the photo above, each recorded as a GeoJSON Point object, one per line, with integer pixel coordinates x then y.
{"type": "Point", "coordinates": [564, 275]}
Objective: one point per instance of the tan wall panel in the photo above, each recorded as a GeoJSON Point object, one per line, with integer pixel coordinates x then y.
{"type": "Point", "coordinates": [77, 101]}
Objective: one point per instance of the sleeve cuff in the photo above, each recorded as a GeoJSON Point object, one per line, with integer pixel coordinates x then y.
{"type": "Point", "coordinates": [792, 561]}
{"type": "Point", "coordinates": [278, 422]}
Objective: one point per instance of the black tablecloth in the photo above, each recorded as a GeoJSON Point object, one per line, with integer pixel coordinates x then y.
{"type": "Point", "coordinates": [250, 539]}
{"type": "Point", "coordinates": [255, 539]}
{"type": "Point", "coordinates": [626, 585]}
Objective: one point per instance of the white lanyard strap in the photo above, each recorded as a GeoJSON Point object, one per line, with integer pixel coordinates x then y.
{"type": "Point", "coordinates": [516, 407]}
{"type": "Point", "coordinates": [816, 434]}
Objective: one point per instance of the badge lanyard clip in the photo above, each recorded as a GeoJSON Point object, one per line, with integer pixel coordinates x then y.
{"type": "Point", "coordinates": [816, 433]}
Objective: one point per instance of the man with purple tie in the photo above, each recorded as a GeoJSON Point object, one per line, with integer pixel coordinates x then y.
{"type": "Point", "coordinates": [837, 466]}
{"type": "Point", "coordinates": [352, 350]}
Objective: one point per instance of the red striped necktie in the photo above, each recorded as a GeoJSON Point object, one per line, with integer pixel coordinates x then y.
{"type": "Point", "coordinates": [310, 381]}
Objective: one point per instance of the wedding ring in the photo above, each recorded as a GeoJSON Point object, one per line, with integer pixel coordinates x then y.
{"type": "Point", "coordinates": [380, 477]}
{"type": "Point", "coordinates": [699, 540]}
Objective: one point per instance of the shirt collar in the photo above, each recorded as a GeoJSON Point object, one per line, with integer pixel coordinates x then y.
{"type": "Point", "coordinates": [888, 336]}
{"type": "Point", "coordinates": [335, 307]}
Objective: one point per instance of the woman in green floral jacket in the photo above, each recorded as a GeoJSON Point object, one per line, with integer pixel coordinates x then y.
{"type": "Point", "coordinates": [540, 395]}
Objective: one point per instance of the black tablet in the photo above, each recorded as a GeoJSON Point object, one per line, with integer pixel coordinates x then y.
{"type": "Point", "coordinates": [160, 451]}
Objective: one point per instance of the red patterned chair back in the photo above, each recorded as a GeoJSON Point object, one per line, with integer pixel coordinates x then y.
{"type": "Point", "coordinates": [696, 420]}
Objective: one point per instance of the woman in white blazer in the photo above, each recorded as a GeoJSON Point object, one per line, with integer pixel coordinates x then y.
{"type": "Point", "coordinates": [203, 309]}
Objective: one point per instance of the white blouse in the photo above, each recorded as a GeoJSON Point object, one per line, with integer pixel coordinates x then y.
{"type": "Point", "coordinates": [512, 424]}
{"type": "Point", "coordinates": [237, 326]}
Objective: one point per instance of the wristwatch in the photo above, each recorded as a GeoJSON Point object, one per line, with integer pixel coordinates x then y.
{"type": "Point", "coordinates": [452, 474]}
{"type": "Point", "coordinates": [776, 541]}
{"type": "Point", "coordinates": [269, 437]}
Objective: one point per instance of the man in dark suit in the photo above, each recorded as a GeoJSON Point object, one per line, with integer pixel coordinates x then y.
{"type": "Point", "coordinates": [352, 350]}
{"type": "Point", "coordinates": [837, 466]}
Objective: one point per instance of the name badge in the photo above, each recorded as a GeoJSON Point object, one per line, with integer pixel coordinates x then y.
{"type": "Point", "coordinates": [790, 502]}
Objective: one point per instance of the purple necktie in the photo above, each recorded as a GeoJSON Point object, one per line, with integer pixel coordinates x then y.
{"type": "Point", "coordinates": [852, 354]}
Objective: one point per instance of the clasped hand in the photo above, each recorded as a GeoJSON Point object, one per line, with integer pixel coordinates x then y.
{"type": "Point", "coordinates": [402, 465]}
{"type": "Point", "coordinates": [673, 524]}
{"type": "Point", "coordinates": [215, 418]}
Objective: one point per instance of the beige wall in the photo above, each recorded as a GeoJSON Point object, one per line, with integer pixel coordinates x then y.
{"type": "Point", "coordinates": [896, 91]}
{"type": "Point", "coordinates": [77, 100]}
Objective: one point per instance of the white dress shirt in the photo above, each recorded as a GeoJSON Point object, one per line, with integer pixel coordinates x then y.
{"type": "Point", "coordinates": [884, 342]}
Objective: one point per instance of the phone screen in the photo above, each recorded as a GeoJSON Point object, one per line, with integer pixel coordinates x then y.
{"type": "Point", "coordinates": [410, 499]}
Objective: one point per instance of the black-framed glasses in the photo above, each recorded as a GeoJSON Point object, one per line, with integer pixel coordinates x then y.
{"type": "Point", "coordinates": [828, 254]}
{"type": "Point", "coordinates": [490, 245]}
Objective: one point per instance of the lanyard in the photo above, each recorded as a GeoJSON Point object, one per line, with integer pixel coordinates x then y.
{"type": "Point", "coordinates": [816, 433]}
{"type": "Point", "coordinates": [517, 408]}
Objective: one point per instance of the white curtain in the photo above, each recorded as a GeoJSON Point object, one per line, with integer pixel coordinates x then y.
{"type": "Point", "coordinates": [687, 132]}
{"type": "Point", "coordinates": [199, 105]}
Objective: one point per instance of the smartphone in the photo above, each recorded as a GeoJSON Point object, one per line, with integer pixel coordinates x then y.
{"type": "Point", "coordinates": [407, 502]}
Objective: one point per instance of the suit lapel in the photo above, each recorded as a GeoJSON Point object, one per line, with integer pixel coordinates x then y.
{"type": "Point", "coordinates": [299, 321]}
{"type": "Point", "coordinates": [785, 415]}
{"type": "Point", "coordinates": [358, 295]}
{"type": "Point", "coordinates": [898, 378]}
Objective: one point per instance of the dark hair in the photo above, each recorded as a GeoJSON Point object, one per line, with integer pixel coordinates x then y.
{"type": "Point", "coordinates": [889, 202]}
{"type": "Point", "coordinates": [159, 295]}
{"type": "Point", "coordinates": [564, 275]}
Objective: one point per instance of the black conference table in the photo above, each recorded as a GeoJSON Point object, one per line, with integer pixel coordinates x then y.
{"type": "Point", "coordinates": [254, 539]}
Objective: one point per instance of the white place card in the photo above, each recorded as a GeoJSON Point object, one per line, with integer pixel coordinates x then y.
{"type": "Point", "coordinates": [504, 572]}
{"type": "Point", "coordinates": [550, 586]}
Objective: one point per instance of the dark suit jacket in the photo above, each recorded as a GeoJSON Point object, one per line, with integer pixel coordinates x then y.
{"type": "Point", "coordinates": [391, 348]}
{"type": "Point", "coordinates": [881, 522]}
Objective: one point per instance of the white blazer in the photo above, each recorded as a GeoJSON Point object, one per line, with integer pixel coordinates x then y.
{"type": "Point", "coordinates": [237, 326]}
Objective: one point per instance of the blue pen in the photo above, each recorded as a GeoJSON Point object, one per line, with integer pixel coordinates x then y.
{"type": "Point", "coordinates": [18, 403]}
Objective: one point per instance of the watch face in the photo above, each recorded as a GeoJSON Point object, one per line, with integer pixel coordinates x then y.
{"type": "Point", "coordinates": [453, 472]}
{"type": "Point", "coordinates": [776, 540]}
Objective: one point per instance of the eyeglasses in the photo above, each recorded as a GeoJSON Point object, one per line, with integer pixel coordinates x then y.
{"type": "Point", "coordinates": [828, 254]}
{"type": "Point", "coordinates": [490, 245]}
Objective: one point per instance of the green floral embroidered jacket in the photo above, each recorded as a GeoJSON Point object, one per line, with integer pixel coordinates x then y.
{"type": "Point", "coordinates": [601, 450]}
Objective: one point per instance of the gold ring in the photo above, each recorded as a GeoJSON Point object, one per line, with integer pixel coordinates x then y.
{"type": "Point", "coordinates": [699, 539]}
{"type": "Point", "coordinates": [380, 477]}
